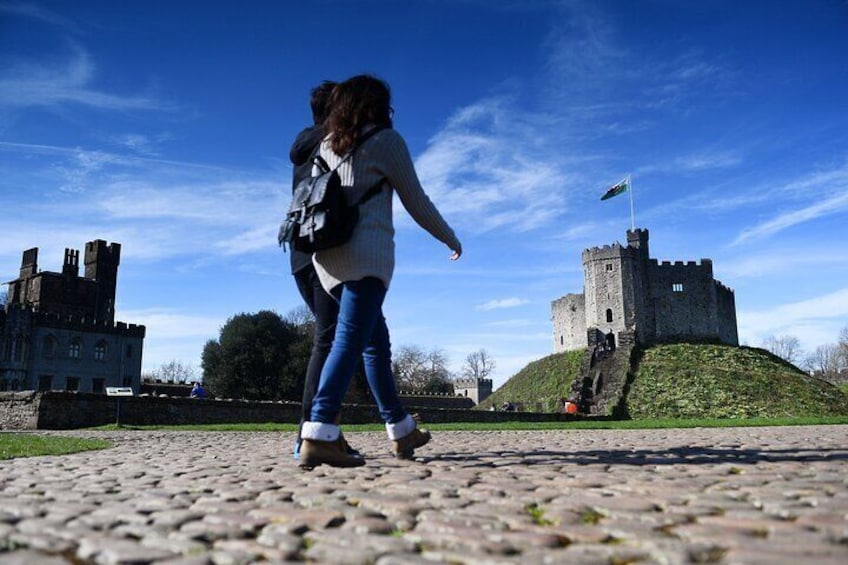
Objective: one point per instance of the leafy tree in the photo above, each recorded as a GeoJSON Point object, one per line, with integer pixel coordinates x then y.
{"type": "Point", "coordinates": [421, 371]}
{"type": "Point", "coordinates": [479, 365]}
{"type": "Point", "coordinates": [787, 347]}
{"type": "Point", "coordinates": [303, 320]}
{"type": "Point", "coordinates": [257, 357]}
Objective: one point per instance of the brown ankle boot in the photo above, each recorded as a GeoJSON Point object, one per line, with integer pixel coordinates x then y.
{"type": "Point", "coordinates": [405, 446]}
{"type": "Point", "coordinates": [332, 453]}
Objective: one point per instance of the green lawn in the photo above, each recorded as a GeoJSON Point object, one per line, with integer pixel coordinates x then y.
{"type": "Point", "coordinates": [518, 426]}
{"type": "Point", "coordinates": [29, 445]}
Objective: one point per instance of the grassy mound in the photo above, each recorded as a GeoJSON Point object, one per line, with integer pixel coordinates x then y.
{"type": "Point", "coordinates": [719, 381]}
{"type": "Point", "coordinates": [687, 381]}
{"type": "Point", "coordinates": [540, 385]}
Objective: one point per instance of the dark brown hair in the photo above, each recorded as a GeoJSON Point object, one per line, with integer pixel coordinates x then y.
{"type": "Point", "coordinates": [319, 100]}
{"type": "Point", "coordinates": [357, 102]}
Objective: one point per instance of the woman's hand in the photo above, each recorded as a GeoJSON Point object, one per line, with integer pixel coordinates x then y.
{"type": "Point", "coordinates": [456, 255]}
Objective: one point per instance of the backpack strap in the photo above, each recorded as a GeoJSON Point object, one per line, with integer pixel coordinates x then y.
{"type": "Point", "coordinates": [374, 190]}
{"type": "Point", "coordinates": [356, 145]}
{"type": "Point", "coordinates": [321, 163]}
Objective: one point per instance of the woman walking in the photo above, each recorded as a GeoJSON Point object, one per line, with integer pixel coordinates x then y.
{"type": "Point", "coordinates": [358, 273]}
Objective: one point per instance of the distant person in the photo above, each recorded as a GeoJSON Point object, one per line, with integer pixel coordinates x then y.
{"type": "Point", "coordinates": [358, 272]}
{"type": "Point", "coordinates": [197, 391]}
{"type": "Point", "coordinates": [323, 306]}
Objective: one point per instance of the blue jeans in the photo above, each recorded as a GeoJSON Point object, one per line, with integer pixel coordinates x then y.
{"type": "Point", "coordinates": [360, 331]}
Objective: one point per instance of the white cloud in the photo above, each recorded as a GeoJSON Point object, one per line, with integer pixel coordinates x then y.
{"type": "Point", "coordinates": [26, 84]}
{"type": "Point", "coordinates": [814, 321]}
{"type": "Point", "coordinates": [502, 303]}
{"type": "Point", "coordinates": [141, 144]}
{"type": "Point", "coordinates": [834, 205]}
{"type": "Point", "coordinates": [490, 168]}
{"type": "Point", "coordinates": [157, 208]}
{"type": "Point", "coordinates": [782, 261]}
{"type": "Point", "coordinates": [517, 323]}
{"type": "Point", "coordinates": [163, 323]}
{"type": "Point", "coordinates": [39, 13]}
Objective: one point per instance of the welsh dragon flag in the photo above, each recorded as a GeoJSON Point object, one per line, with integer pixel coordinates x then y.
{"type": "Point", "coordinates": [617, 189]}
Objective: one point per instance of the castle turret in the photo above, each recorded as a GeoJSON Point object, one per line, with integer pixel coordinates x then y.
{"type": "Point", "coordinates": [18, 288]}
{"type": "Point", "coordinates": [101, 265]}
{"type": "Point", "coordinates": [638, 239]}
{"type": "Point", "coordinates": [29, 263]}
{"type": "Point", "coordinates": [70, 268]}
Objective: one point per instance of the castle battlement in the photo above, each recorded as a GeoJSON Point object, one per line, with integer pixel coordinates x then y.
{"type": "Point", "coordinates": [607, 252]}
{"type": "Point", "coordinates": [469, 382]}
{"type": "Point", "coordinates": [59, 330]}
{"type": "Point", "coordinates": [625, 290]}
{"type": "Point", "coordinates": [723, 287]}
{"type": "Point", "coordinates": [477, 389]}
{"type": "Point", "coordinates": [702, 264]}
{"type": "Point", "coordinates": [83, 324]}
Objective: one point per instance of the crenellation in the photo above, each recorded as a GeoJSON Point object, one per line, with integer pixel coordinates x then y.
{"type": "Point", "coordinates": [65, 328]}
{"type": "Point", "coordinates": [625, 290]}
{"type": "Point", "coordinates": [477, 389]}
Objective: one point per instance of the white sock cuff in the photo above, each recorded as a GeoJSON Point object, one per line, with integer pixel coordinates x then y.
{"type": "Point", "coordinates": [319, 431]}
{"type": "Point", "coordinates": [401, 429]}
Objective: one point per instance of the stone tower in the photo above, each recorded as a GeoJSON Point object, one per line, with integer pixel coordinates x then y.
{"type": "Point", "coordinates": [624, 290]}
{"type": "Point", "coordinates": [477, 389]}
{"type": "Point", "coordinates": [101, 265]}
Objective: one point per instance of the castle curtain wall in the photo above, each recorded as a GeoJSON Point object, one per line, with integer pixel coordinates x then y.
{"type": "Point", "coordinates": [684, 300]}
{"type": "Point", "coordinates": [726, 307]}
{"type": "Point", "coordinates": [569, 321]}
{"type": "Point", "coordinates": [104, 353]}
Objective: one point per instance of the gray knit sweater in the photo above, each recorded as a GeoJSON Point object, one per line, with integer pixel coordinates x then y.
{"type": "Point", "coordinates": [371, 250]}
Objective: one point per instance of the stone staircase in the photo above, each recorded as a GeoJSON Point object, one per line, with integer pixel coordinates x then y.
{"type": "Point", "coordinates": [600, 386]}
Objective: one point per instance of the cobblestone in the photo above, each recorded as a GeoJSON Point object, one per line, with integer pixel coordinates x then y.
{"type": "Point", "coordinates": [727, 496]}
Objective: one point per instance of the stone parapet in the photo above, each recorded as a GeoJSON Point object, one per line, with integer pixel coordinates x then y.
{"type": "Point", "coordinates": [58, 410]}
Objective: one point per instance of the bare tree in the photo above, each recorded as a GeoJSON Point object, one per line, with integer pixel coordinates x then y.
{"type": "Point", "coordinates": [174, 371]}
{"type": "Point", "coordinates": [842, 348]}
{"type": "Point", "coordinates": [787, 347]}
{"type": "Point", "coordinates": [479, 365]}
{"type": "Point", "coordinates": [421, 371]}
{"type": "Point", "coordinates": [824, 362]}
{"type": "Point", "coordinates": [302, 319]}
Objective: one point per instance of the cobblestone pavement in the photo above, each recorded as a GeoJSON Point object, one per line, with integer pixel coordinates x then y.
{"type": "Point", "coordinates": [735, 495]}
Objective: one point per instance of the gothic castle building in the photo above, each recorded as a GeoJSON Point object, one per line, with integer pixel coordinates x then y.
{"type": "Point", "coordinates": [627, 292]}
{"type": "Point", "coordinates": [58, 330]}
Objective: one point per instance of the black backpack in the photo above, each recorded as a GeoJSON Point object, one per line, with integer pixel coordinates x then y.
{"type": "Point", "coordinates": [319, 217]}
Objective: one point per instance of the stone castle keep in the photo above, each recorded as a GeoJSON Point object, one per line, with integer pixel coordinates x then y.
{"type": "Point", "coordinates": [58, 330]}
{"type": "Point", "coordinates": [625, 292]}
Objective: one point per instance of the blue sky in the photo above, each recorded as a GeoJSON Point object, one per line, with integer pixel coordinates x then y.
{"type": "Point", "coordinates": [165, 126]}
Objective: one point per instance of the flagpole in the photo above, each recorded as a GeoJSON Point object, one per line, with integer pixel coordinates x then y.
{"type": "Point", "coordinates": [632, 217]}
